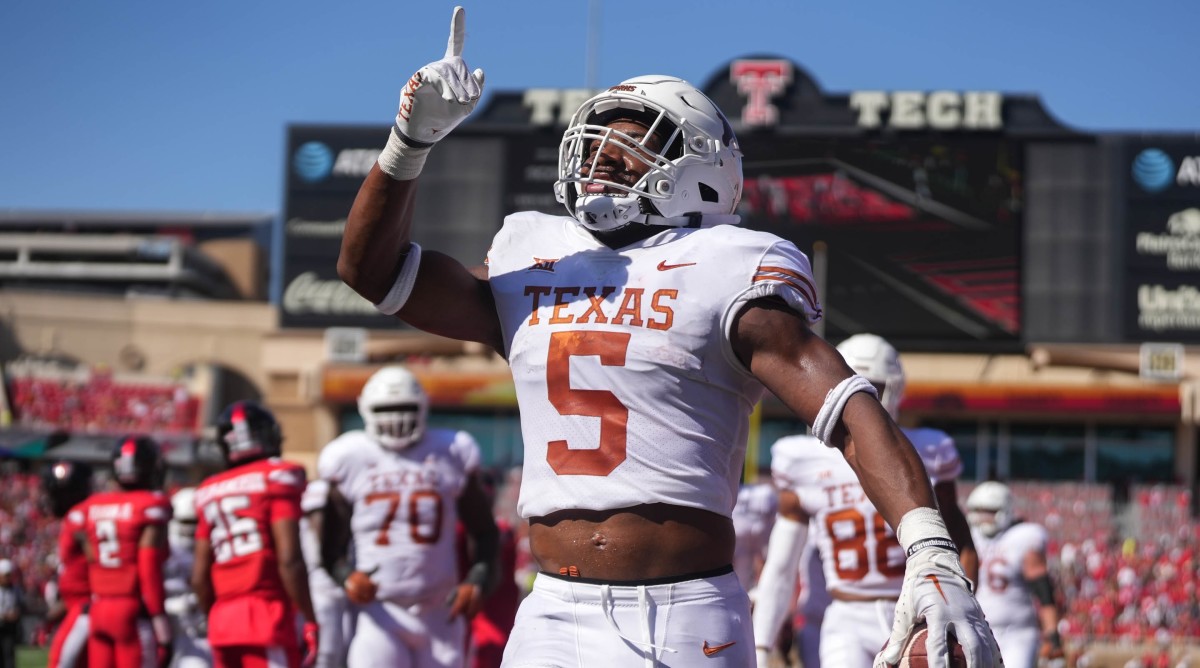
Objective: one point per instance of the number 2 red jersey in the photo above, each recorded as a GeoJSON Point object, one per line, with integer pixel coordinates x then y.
{"type": "Point", "coordinates": [235, 510]}
{"type": "Point", "coordinates": [114, 522]}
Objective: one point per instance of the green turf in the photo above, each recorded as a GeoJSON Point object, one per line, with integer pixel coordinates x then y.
{"type": "Point", "coordinates": [31, 657]}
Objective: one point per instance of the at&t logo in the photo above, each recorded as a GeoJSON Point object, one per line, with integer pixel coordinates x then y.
{"type": "Point", "coordinates": [1153, 170]}
{"type": "Point", "coordinates": [312, 161]}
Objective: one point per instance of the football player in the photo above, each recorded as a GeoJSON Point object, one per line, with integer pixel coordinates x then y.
{"type": "Point", "coordinates": [187, 621]}
{"type": "Point", "coordinates": [249, 574]}
{"type": "Point", "coordinates": [334, 616]}
{"type": "Point", "coordinates": [126, 542]}
{"type": "Point", "coordinates": [753, 517]}
{"type": "Point", "coordinates": [863, 563]}
{"type": "Point", "coordinates": [401, 487]}
{"type": "Point", "coordinates": [1015, 589]}
{"type": "Point", "coordinates": [642, 328]}
{"type": "Point", "coordinates": [65, 485]}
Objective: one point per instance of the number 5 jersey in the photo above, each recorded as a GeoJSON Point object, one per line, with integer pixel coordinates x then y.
{"type": "Point", "coordinates": [629, 390]}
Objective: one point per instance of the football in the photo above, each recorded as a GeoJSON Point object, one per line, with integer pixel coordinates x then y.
{"type": "Point", "coordinates": [914, 654]}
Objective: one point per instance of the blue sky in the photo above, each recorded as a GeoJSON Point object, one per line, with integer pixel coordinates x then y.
{"type": "Point", "coordinates": [168, 106]}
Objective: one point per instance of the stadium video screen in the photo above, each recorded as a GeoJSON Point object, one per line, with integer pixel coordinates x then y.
{"type": "Point", "coordinates": [922, 236]}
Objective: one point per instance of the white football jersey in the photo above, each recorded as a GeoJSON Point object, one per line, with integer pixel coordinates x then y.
{"type": "Point", "coordinates": [404, 508]}
{"type": "Point", "coordinates": [859, 551]}
{"type": "Point", "coordinates": [629, 390]}
{"type": "Point", "coordinates": [1002, 591]}
{"type": "Point", "coordinates": [753, 519]}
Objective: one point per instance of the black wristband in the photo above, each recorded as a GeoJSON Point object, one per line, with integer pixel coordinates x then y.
{"type": "Point", "coordinates": [943, 543]}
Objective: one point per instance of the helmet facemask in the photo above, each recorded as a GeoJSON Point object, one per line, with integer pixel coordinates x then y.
{"type": "Point", "coordinates": [990, 508]}
{"type": "Point", "coordinates": [394, 408]}
{"type": "Point", "coordinates": [181, 530]}
{"type": "Point", "coordinates": [691, 155]}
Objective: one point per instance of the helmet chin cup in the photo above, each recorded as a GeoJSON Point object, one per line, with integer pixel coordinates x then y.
{"type": "Point", "coordinates": [607, 212]}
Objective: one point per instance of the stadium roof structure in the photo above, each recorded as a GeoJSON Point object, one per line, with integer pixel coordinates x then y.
{"type": "Point", "coordinates": [76, 219]}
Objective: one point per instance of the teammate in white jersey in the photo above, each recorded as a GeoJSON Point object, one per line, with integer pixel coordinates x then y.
{"type": "Point", "coordinates": [641, 330]}
{"type": "Point", "coordinates": [753, 517]}
{"type": "Point", "coordinates": [334, 618]}
{"type": "Point", "coordinates": [864, 565]}
{"type": "Point", "coordinates": [400, 487]}
{"type": "Point", "coordinates": [191, 648]}
{"type": "Point", "coordinates": [1014, 583]}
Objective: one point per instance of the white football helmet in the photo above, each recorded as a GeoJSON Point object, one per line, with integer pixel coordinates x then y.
{"type": "Point", "coordinates": [181, 531]}
{"type": "Point", "coordinates": [876, 360]}
{"type": "Point", "coordinates": [698, 170]}
{"type": "Point", "coordinates": [990, 508]}
{"type": "Point", "coordinates": [393, 407]}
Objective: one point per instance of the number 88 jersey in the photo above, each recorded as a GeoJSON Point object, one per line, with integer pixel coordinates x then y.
{"type": "Point", "coordinates": [235, 510]}
{"type": "Point", "coordinates": [859, 551]}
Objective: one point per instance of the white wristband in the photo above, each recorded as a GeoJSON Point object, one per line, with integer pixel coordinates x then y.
{"type": "Point", "coordinates": [923, 527]}
{"type": "Point", "coordinates": [398, 295]}
{"type": "Point", "coordinates": [835, 402]}
{"type": "Point", "coordinates": [401, 161]}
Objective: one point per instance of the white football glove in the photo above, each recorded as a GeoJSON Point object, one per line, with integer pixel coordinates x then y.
{"type": "Point", "coordinates": [937, 590]}
{"type": "Point", "coordinates": [434, 101]}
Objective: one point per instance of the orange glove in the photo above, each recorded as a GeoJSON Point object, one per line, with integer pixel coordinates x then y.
{"type": "Point", "coordinates": [359, 588]}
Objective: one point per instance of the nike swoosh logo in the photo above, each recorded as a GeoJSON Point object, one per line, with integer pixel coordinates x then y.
{"type": "Point", "coordinates": [933, 578]}
{"type": "Point", "coordinates": [709, 651]}
{"type": "Point", "coordinates": [663, 266]}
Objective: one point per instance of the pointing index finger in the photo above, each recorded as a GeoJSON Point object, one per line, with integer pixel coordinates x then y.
{"type": "Point", "coordinates": [458, 33]}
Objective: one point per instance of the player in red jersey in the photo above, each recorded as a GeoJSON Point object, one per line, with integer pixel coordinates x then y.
{"type": "Point", "coordinates": [126, 543]}
{"type": "Point", "coordinates": [249, 574]}
{"type": "Point", "coordinates": [65, 485]}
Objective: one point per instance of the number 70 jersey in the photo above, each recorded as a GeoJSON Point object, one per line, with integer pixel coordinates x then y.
{"type": "Point", "coordinates": [629, 390]}
{"type": "Point", "coordinates": [404, 508]}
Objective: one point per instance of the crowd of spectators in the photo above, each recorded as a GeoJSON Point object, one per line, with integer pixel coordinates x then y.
{"type": "Point", "coordinates": [82, 399]}
{"type": "Point", "coordinates": [1135, 587]}
{"type": "Point", "coordinates": [28, 535]}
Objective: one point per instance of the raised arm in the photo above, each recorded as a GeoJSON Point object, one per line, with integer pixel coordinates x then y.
{"type": "Point", "coordinates": [427, 289]}
{"type": "Point", "coordinates": [812, 378]}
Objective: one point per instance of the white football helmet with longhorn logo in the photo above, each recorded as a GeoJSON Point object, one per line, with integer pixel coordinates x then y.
{"type": "Point", "coordinates": [394, 407]}
{"type": "Point", "coordinates": [697, 172]}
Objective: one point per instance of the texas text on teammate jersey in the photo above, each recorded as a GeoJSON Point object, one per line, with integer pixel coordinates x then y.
{"type": "Point", "coordinates": [859, 551]}
{"type": "Point", "coordinates": [235, 510]}
{"type": "Point", "coordinates": [403, 508]}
